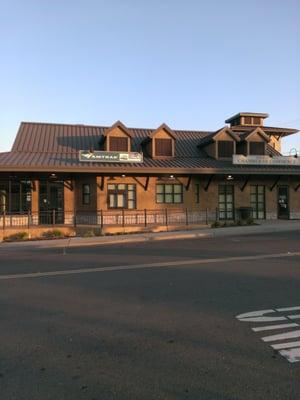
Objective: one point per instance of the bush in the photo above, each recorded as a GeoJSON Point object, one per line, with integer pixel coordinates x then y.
{"type": "Point", "coordinates": [250, 221]}
{"type": "Point", "coordinates": [55, 233]}
{"type": "Point", "coordinates": [88, 234]}
{"type": "Point", "coordinates": [215, 224]}
{"type": "Point", "coordinates": [17, 236]}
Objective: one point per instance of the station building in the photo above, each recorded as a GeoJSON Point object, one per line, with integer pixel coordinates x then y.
{"type": "Point", "coordinates": [78, 174]}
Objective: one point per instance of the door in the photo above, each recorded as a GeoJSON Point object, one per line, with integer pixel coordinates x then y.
{"type": "Point", "coordinates": [51, 203]}
{"type": "Point", "coordinates": [283, 202]}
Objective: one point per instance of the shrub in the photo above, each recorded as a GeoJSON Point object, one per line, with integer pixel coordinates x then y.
{"type": "Point", "coordinates": [250, 221]}
{"type": "Point", "coordinates": [88, 234]}
{"type": "Point", "coordinates": [215, 224]}
{"type": "Point", "coordinates": [17, 236]}
{"type": "Point", "coordinates": [55, 233]}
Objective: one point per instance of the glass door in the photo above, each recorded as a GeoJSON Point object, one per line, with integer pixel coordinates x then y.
{"type": "Point", "coordinates": [283, 202]}
{"type": "Point", "coordinates": [51, 203]}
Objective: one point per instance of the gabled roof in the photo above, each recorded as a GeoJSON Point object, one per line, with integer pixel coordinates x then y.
{"type": "Point", "coordinates": [164, 127]}
{"type": "Point", "coordinates": [259, 131]}
{"type": "Point", "coordinates": [214, 136]}
{"type": "Point", "coordinates": [118, 124]}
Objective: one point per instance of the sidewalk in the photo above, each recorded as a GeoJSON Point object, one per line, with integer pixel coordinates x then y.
{"type": "Point", "coordinates": [264, 227]}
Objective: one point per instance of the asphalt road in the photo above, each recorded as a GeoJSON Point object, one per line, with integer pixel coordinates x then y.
{"type": "Point", "coordinates": [149, 321]}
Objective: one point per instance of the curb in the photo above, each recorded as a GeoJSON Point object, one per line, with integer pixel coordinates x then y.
{"type": "Point", "coordinates": [150, 237]}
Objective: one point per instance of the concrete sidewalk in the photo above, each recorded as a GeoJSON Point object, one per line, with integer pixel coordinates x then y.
{"type": "Point", "coordinates": [264, 227]}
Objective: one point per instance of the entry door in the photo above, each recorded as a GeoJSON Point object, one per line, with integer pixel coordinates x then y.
{"type": "Point", "coordinates": [51, 202]}
{"type": "Point", "coordinates": [283, 202]}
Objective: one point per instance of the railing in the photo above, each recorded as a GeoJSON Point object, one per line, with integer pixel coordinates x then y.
{"type": "Point", "coordinates": [114, 218]}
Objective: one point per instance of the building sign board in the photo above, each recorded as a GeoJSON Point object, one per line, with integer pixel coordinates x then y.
{"type": "Point", "coordinates": [110, 156]}
{"type": "Point", "coordinates": [239, 159]}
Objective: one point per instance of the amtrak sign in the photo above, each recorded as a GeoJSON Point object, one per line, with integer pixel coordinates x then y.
{"type": "Point", "coordinates": [239, 159]}
{"type": "Point", "coordinates": [110, 156]}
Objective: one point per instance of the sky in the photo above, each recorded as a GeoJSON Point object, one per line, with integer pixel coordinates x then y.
{"type": "Point", "coordinates": [188, 63]}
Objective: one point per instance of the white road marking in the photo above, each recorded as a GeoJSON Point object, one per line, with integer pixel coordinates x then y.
{"type": "Point", "coordinates": [144, 266]}
{"type": "Point", "coordinates": [287, 345]}
{"type": "Point", "coordinates": [288, 349]}
{"type": "Point", "coordinates": [259, 316]}
{"type": "Point", "coordinates": [272, 327]}
{"type": "Point", "coordinates": [288, 308]}
{"type": "Point", "coordinates": [292, 355]}
{"type": "Point", "coordinates": [294, 316]}
{"type": "Point", "coordinates": [281, 336]}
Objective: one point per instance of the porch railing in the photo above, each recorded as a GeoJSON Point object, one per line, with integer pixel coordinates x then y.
{"type": "Point", "coordinates": [113, 218]}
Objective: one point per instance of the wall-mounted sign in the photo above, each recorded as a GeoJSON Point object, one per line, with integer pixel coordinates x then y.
{"type": "Point", "coordinates": [239, 159]}
{"type": "Point", "coordinates": [110, 156]}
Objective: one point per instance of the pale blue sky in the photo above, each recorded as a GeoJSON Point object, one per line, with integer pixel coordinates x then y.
{"type": "Point", "coordinates": [188, 63]}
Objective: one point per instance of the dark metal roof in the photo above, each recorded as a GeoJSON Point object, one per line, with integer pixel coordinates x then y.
{"type": "Point", "coordinates": [55, 148]}
{"type": "Point", "coordinates": [270, 130]}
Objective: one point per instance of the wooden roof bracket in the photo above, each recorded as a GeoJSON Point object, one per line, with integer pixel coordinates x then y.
{"type": "Point", "coordinates": [187, 183]}
{"type": "Point", "coordinates": [143, 185]}
{"type": "Point", "coordinates": [245, 183]}
{"type": "Point", "coordinates": [208, 183]}
{"type": "Point", "coordinates": [102, 182]}
{"type": "Point", "coordinates": [69, 185]}
{"type": "Point", "coordinates": [297, 187]}
{"type": "Point", "coordinates": [275, 183]}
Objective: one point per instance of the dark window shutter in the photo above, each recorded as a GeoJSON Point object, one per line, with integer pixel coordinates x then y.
{"type": "Point", "coordinates": [257, 148]}
{"type": "Point", "coordinates": [118, 143]}
{"type": "Point", "coordinates": [163, 147]}
{"type": "Point", "coordinates": [247, 120]}
{"type": "Point", "coordinates": [225, 148]}
{"type": "Point", "coordinates": [256, 120]}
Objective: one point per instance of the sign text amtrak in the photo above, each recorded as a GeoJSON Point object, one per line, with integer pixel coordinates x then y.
{"type": "Point", "coordinates": [110, 156]}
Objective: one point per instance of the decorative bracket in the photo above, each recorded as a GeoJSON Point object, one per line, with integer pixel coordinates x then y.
{"type": "Point", "coordinates": [275, 183]}
{"type": "Point", "coordinates": [245, 183]}
{"type": "Point", "coordinates": [144, 184]}
{"type": "Point", "coordinates": [208, 183]}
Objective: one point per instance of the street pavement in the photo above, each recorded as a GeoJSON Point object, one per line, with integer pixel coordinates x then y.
{"type": "Point", "coordinates": [155, 320]}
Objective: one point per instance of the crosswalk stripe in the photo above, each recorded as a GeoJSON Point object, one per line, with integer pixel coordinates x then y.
{"type": "Point", "coordinates": [288, 345]}
{"type": "Point", "coordinates": [271, 327]}
{"type": "Point", "coordinates": [281, 336]}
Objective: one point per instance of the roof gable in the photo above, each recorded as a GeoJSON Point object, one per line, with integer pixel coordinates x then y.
{"type": "Point", "coordinates": [120, 125]}
{"type": "Point", "coordinates": [255, 131]}
{"type": "Point", "coordinates": [163, 127]}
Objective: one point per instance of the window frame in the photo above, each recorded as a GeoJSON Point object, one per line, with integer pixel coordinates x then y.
{"type": "Point", "coordinates": [254, 192]}
{"type": "Point", "coordinates": [229, 213]}
{"type": "Point", "coordinates": [168, 194]}
{"type": "Point", "coordinates": [197, 193]}
{"type": "Point", "coordinates": [128, 188]}
{"type": "Point", "coordinates": [86, 195]}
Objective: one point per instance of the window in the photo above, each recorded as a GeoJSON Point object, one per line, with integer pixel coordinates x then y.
{"type": "Point", "coordinates": [163, 147]}
{"type": "Point", "coordinates": [257, 148]}
{"type": "Point", "coordinates": [226, 201]}
{"type": "Point", "coordinates": [15, 196]}
{"type": "Point", "coordinates": [86, 194]}
{"type": "Point", "coordinates": [169, 193]}
{"type": "Point", "coordinates": [197, 193]}
{"type": "Point", "coordinates": [118, 143]}
{"type": "Point", "coordinates": [257, 201]}
{"type": "Point", "coordinates": [241, 148]}
{"type": "Point", "coordinates": [256, 121]}
{"type": "Point", "coordinates": [121, 196]}
{"type": "Point", "coordinates": [225, 148]}
{"type": "Point", "coordinates": [247, 120]}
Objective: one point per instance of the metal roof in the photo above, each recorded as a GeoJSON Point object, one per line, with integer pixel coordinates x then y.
{"type": "Point", "coordinates": [55, 148]}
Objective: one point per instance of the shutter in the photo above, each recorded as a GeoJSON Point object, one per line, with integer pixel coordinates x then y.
{"type": "Point", "coordinates": [225, 148]}
{"type": "Point", "coordinates": [163, 147]}
{"type": "Point", "coordinates": [118, 143]}
{"type": "Point", "coordinates": [257, 148]}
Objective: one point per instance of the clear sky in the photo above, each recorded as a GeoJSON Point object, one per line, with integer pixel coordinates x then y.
{"type": "Point", "coordinates": [188, 63]}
